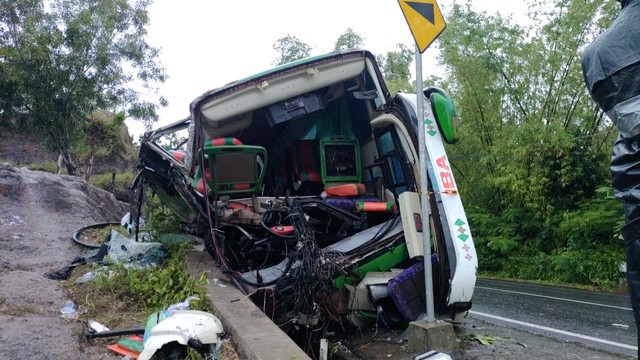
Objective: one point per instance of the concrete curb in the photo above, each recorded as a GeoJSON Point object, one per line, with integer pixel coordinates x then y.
{"type": "Point", "coordinates": [256, 337]}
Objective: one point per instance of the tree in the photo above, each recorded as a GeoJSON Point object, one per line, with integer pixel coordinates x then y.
{"type": "Point", "coordinates": [103, 132]}
{"type": "Point", "coordinates": [349, 40]}
{"type": "Point", "coordinates": [16, 19]}
{"type": "Point", "coordinates": [73, 58]}
{"type": "Point", "coordinates": [395, 68]}
{"type": "Point", "coordinates": [290, 48]}
{"type": "Point", "coordinates": [534, 147]}
{"type": "Point", "coordinates": [525, 107]}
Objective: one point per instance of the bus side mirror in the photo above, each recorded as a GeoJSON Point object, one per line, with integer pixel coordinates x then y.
{"type": "Point", "coordinates": [445, 113]}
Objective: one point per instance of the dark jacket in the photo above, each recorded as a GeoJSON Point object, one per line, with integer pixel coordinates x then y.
{"type": "Point", "coordinates": [611, 69]}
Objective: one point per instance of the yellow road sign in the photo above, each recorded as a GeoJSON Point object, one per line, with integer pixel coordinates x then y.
{"type": "Point", "coordinates": [425, 21]}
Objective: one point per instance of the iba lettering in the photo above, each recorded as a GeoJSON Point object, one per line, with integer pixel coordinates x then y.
{"type": "Point", "coordinates": [448, 184]}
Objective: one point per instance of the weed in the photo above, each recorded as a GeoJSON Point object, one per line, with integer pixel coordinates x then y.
{"type": "Point", "coordinates": [125, 296]}
{"type": "Point", "coordinates": [158, 287]}
{"type": "Point", "coordinates": [107, 181]}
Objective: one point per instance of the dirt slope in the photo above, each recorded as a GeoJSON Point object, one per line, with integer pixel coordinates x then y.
{"type": "Point", "coordinates": [38, 213]}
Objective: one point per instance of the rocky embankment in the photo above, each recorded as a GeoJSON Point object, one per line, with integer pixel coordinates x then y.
{"type": "Point", "coordinates": [38, 213]}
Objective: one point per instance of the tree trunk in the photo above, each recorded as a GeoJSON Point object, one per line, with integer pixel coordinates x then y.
{"type": "Point", "coordinates": [71, 166]}
{"type": "Point", "coordinates": [88, 169]}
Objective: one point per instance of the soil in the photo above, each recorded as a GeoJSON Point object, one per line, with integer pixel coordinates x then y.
{"type": "Point", "coordinates": [23, 150]}
{"type": "Point", "coordinates": [38, 213]}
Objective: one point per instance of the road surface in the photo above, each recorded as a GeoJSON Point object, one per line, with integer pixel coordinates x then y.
{"type": "Point", "coordinates": [597, 320]}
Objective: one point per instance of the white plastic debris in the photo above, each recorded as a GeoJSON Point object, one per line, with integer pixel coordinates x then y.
{"type": "Point", "coordinates": [181, 305]}
{"type": "Point", "coordinates": [96, 326]}
{"type": "Point", "coordinates": [182, 326]}
{"type": "Point", "coordinates": [432, 355]}
{"type": "Point", "coordinates": [69, 310]}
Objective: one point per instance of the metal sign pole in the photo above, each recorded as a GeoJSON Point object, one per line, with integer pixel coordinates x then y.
{"type": "Point", "coordinates": [424, 191]}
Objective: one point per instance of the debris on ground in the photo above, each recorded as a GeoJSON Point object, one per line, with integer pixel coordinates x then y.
{"type": "Point", "coordinates": [122, 249]}
{"type": "Point", "coordinates": [174, 332]}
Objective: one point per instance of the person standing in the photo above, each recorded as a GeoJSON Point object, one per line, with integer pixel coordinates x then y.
{"type": "Point", "coordinates": [611, 69]}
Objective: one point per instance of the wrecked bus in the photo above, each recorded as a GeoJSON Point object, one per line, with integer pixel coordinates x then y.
{"type": "Point", "coordinates": [304, 180]}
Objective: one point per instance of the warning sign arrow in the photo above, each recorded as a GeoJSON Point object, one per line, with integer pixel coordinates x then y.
{"type": "Point", "coordinates": [424, 9]}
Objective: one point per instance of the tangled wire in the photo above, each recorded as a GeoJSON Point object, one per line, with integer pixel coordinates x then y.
{"type": "Point", "coordinates": [306, 290]}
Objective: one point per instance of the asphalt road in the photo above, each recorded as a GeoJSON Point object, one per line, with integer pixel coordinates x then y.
{"type": "Point", "coordinates": [597, 320]}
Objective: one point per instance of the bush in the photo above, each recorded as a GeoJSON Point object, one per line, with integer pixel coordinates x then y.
{"type": "Point", "coordinates": [161, 220]}
{"type": "Point", "coordinates": [580, 247]}
{"type": "Point", "coordinates": [572, 267]}
{"type": "Point", "coordinates": [599, 268]}
{"type": "Point", "coordinates": [157, 287]}
{"type": "Point", "coordinates": [597, 222]}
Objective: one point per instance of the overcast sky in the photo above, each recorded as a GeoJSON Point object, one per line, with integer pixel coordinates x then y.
{"type": "Point", "coordinates": [208, 43]}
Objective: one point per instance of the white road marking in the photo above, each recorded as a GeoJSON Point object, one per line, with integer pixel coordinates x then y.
{"type": "Point", "coordinates": [555, 298]}
{"type": "Point", "coordinates": [557, 331]}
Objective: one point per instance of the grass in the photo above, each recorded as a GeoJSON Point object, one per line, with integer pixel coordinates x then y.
{"type": "Point", "coordinates": [118, 185]}
{"type": "Point", "coordinates": [106, 181]}
{"type": "Point", "coordinates": [47, 166]}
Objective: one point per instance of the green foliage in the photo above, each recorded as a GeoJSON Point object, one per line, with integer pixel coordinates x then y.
{"type": "Point", "coordinates": [395, 68]}
{"type": "Point", "coordinates": [531, 135]}
{"type": "Point", "coordinates": [157, 287]}
{"type": "Point", "coordinates": [102, 133]}
{"type": "Point", "coordinates": [161, 220]}
{"type": "Point", "coordinates": [502, 244]}
{"type": "Point", "coordinates": [576, 247]}
{"type": "Point", "coordinates": [63, 61]}
{"type": "Point", "coordinates": [349, 40]}
{"type": "Point", "coordinates": [597, 222]}
{"type": "Point", "coordinates": [497, 238]}
{"type": "Point", "coordinates": [599, 268]}
{"type": "Point", "coordinates": [576, 267]}
{"type": "Point", "coordinates": [290, 48]}
{"type": "Point", "coordinates": [535, 149]}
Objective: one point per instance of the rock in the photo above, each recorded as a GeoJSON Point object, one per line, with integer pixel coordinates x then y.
{"type": "Point", "coordinates": [39, 212]}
